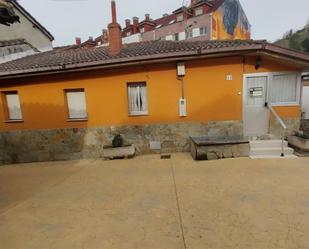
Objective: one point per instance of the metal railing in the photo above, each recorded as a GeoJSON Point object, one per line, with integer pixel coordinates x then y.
{"type": "Point", "coordinates": [284, 127]}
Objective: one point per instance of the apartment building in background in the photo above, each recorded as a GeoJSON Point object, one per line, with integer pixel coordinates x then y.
{"type": "Point", "coordinates": [201, 20]}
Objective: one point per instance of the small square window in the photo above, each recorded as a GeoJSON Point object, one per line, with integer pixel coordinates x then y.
{"type": "Point", "coordinates": [176, 37]}
{"type": "Point", "coordinates": [13, 108]}
{"type": "Point", "coordinates": [180, 18]}
{"type": "Point", "coordinates": [199, 11]}
{"type": "Point", "coordinates": [76, 101]}
{"type": "Point", "coordinates": [203, 31]}
{"type": "Point", "coordinates": [189, 34]}
{"type": "Point", "coordinates": [137, 99]}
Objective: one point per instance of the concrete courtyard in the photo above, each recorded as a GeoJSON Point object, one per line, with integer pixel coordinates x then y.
{"type": "Point", "coordinates": [151, 203]}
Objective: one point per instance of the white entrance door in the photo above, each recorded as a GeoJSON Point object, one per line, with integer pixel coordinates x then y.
{"type": "Point", "coordinates": [305, 104]}
{"type": "Point", "coordinates": [256, 114]}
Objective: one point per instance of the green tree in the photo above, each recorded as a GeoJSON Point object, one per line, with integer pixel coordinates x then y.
{"type": "Point", "coordinates": [305, 44]}
{"type": "Point", "coordinates": [294, 44]}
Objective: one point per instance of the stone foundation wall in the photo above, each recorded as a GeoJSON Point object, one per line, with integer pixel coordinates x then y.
{"type": "Point", "coordinates": [70, 144]}
{"type": "Point", "coordinates": [275, 128]}
{"type": "Point", "coordinates": [305, 127]}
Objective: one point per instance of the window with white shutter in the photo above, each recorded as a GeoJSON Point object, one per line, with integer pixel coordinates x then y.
{"type": "Point", "coordinates": [137, 99]}
{"type": "Point", "coordinates": [13, 106]}
{"type": "Point", "coordinates": [284, 89]}
{"type": "Point", "coordinates": [199, 11]}
{"type": "Point", "coordinates": [76, 101]}
{"type": "Point", "coordinates": [196, 32]}
{"type": "Point", "coordinates": [180, 18]}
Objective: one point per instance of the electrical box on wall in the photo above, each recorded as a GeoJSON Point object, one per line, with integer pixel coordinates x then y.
{"type": "Point", "coordinates": [181, 69]}
{"type": "Point", "coordinates": [182, 108]}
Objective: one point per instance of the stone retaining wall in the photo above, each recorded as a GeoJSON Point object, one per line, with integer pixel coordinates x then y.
{"type": "Point", "coordinates": [275, 128]}
{"type": "Point", "coordinates": [70, 144]}
{"type": "Point", "coordinates": [305, 127]}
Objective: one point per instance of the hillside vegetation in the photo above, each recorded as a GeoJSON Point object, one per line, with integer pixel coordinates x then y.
{"type": "Point", "coordinates": [298, 40]}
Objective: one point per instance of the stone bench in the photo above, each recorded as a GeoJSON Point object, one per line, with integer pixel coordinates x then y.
{"type": "Point", "coordinates": [110, 153]}
{"type": "Point", "coordinates": [300, 143]}
{"type": "Point", "coordinates": [210, 148]}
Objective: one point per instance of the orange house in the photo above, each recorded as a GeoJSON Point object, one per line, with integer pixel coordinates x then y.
{"type": "Point", "coordinates": [69, 102]}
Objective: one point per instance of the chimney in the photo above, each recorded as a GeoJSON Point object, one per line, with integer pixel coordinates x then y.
{"type": "Point", "coordinates": [165, 15]}
{"type": "Point", "coordinates": [128, 22]}
{"type": "Point", "coordinates": [104, 35]}
{"type": "Point", "coordinates": [78, 41]}
{"type": "Point", "coordinates": [114, 29]}
{"type": "Point", "coordinates": [135, 21]}
{"type": "Point", "coordinates": [147, 17]}
{"type": "Point", "coordinates": [193, 2]}
{"type": "Point", "coordinates": [135, 24]}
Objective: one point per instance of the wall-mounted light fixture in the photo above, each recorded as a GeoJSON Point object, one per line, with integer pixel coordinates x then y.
{"type": "Point", "coordinates": [258, 62]}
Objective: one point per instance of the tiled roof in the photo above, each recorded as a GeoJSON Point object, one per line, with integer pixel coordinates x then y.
{"type": "Point", "coordinates": [76, 57]}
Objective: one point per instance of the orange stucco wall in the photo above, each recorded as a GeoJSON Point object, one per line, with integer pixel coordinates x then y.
{"type": "Point", "coordinates": [210, 97]}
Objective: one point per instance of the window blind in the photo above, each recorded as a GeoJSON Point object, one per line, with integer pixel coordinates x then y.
{"type": "Point", "coordinates": [76, 104]}
{"type": "Point", "coordinates": [13, 105]}
{"type": "Point", "coordinates": [284, 89]}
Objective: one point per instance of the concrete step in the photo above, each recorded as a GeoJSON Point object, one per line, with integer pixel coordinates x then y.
{"type": "Point", "coordinates": [274, 157]}
{"type": "Point", "coordinates": [270, 151]}
{"type": "Point", "coordinates": [267, 144]}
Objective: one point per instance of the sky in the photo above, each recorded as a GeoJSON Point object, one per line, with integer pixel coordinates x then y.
{"type": "Point", "coordinates": [67, 19]}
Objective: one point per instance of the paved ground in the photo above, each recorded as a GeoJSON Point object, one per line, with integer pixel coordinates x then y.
{"type": "Point", "coordinates": [157, 204]}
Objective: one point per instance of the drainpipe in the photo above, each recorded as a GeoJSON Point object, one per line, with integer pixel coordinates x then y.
{"type": "Point", "coordinates": [181, 72]}
{"type": "Point", "coordinates": [182, 81]}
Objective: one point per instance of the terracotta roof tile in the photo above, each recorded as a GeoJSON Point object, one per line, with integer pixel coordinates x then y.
{"type": "Point", "coordinates": [73, 56]}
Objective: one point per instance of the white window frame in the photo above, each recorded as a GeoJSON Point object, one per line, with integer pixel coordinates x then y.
{"type": "Point", "coordinates": [180, 18]}
{"type": "Point", "coordinates": [196, 12]}
{"type": "Point", "coordinates": [137, 113]}
{"type": "Point", "coordinates": [169, 38]}
{"type": "Point", "coordinates": [270, 76]}
{"type": "Point", "coordinates": [9, 117]}
{"type": "Point", "coordinates": [70, 116]}
{"type": "Point", "coordinates": [195, 32]}
{"type": "Point", "coordinates": [182, 36]}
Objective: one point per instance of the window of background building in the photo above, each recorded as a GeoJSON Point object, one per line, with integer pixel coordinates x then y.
{"type": "Point", "coordinates": [76, 101]}
{"type": "Point", "coordinates": [137, 98]}
{"type": "Point", "coordinates": [199, 11]}
{"type": "Point", "coordinates": [203, 30]}
{"type": "Point", "coordinates": [176, 37]}
{"type": "Point", "coordinates": [180, 18]}
{"type": "Point", "coordinates": [189, 34]}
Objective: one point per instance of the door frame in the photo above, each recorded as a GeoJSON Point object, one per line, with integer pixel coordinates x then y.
{"type": "Point", "coordinates": [245, 92]}
{"type": "Point", "coordinates": [269, 76]}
